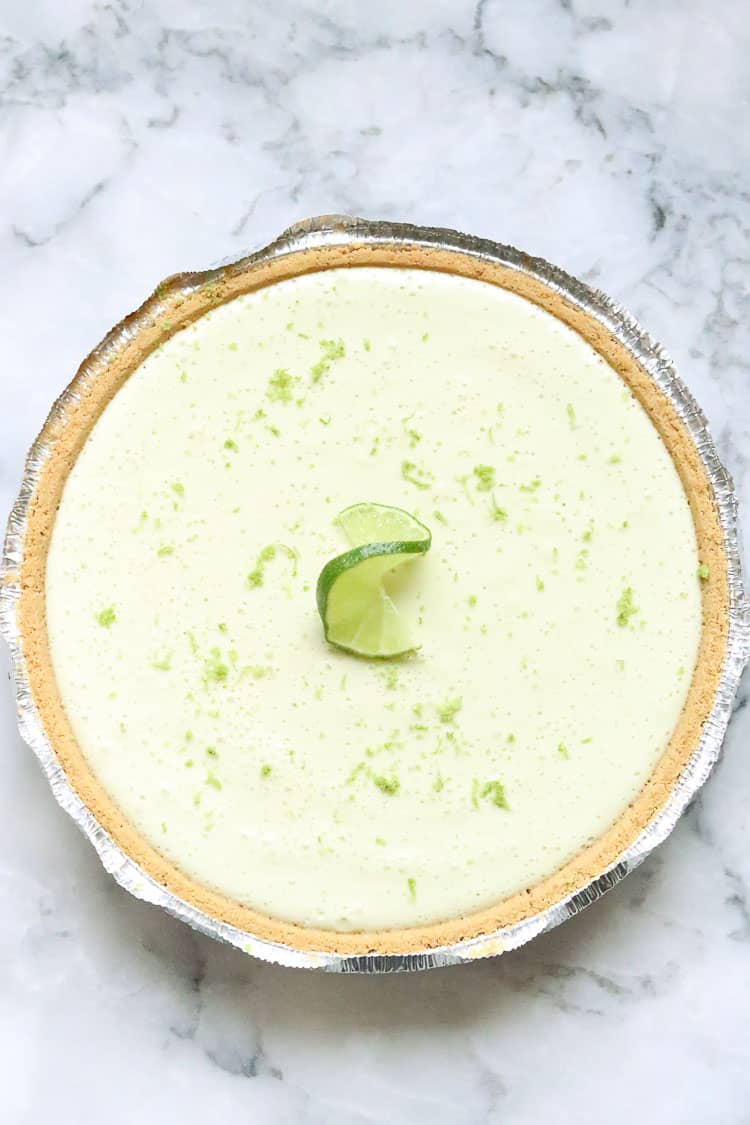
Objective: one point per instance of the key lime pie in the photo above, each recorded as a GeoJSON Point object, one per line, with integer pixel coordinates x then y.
{"type": "Point", "coordinates": [373, 597]}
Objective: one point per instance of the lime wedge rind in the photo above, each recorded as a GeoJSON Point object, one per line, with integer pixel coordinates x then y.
{"type": "Point", "coordinates": [357, 614]}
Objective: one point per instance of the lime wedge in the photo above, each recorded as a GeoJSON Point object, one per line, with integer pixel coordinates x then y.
{"type": "Point", "coordinates": [357, 613]}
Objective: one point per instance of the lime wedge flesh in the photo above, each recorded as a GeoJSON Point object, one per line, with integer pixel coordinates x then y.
{"type": "Point", "coordinates": [357, 613]}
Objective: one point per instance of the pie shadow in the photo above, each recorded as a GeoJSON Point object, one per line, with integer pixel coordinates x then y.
{"type": "Point", "coordinates": [308, 1005]}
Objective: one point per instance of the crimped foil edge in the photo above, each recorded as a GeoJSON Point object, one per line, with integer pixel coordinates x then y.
{"type": "Point", "coordinates": [332, 230]}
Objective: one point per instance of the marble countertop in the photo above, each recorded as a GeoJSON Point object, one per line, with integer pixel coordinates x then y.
{"type": "Point", "coordinates": [140, 139]}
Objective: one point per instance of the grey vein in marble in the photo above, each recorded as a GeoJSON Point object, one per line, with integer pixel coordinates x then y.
{"type": "Point", "coordinates": [140, 139]}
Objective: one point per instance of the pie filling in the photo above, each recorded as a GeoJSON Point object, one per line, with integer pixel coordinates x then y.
{"type": "Point", "coordinates": [557, 612]}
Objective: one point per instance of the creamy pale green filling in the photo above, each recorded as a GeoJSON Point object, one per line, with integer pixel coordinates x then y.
{"type": "Point", "coordinates": [557, 611]}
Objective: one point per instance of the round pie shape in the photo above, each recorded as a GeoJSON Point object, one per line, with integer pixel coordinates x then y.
{"type": "Point", "coordinates": [351, 395]}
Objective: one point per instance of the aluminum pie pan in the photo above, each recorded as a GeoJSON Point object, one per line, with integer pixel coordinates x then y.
{"type": "Point", "coordinates": [340, 231]}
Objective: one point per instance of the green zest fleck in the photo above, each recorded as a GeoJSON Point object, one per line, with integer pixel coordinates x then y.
{"type": "Point", "coordinates": [620, 665]}
{"type": "Point", "coordinates": [438, 783]}
{"type": "Point", "coordinates": [615, 459]}
{"type": "Point", "coordinates": [498, 514]}
{"type": "Point", "coordinates": [366, 344]}
{"type": "Point", "coordinates": [325, 421]}
{"type": "Point", "coordinates": [485, 475]}
{"type": "Point", "coordinates": [280, 386]}
{"type": "Point", "coordinates": [230, 443]}
{"type": "Point", "coordinates": [380, 841]}
{"type": "Point", "coordinates": [625, 607]}
{"type": "Point", "coordinates": [332, 349]}
{"type": "Point", "coordinates": [164, 551]}
{"type": "Point", "coordinates": [414, 475]}
{"type": "Point", "coordinates": [571, 415]}
{"type": "Point", "coordinates": [358, 769]}
{"type": "Point", "coordinates": [106, 617]}
{"type": "Point", "coordinates": [539, 584]}
{"type": "Point", "coordinates": [703, 572]}
{"type": "Point", "coordinates": [562, 750]}
{"type": "Point", "coordinates": [414, 436]}
{"type": "Point", "coordinates": [212, 780]}
{"type": "Point", "coordinates": [412, 885]}
{"type": "Point", "coordinates": [255, 577]}
{"type": "Point", "coordinates": [494, 791]}
{"type": "Point", "coordinates": [389, 785]}
{"type": "Point", "coordinates": [177, 488]}
{"type": "Point", "coordinates": [215, 669]}
{"type": "Point", "coordinates": [162, 663]}
{"type": "Point", "coordinates": [265, 771]}
{"type": "Point", "coordinates": [440, 517]}
{"type": "Point", "coordinates": [448, 710]}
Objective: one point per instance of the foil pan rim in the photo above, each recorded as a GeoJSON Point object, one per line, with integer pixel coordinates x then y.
{"type": "Point", "coordinates": [340, 230]}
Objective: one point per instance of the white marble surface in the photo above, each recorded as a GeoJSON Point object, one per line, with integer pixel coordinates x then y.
{"type": "Point", "coordinates": [141, 138]}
